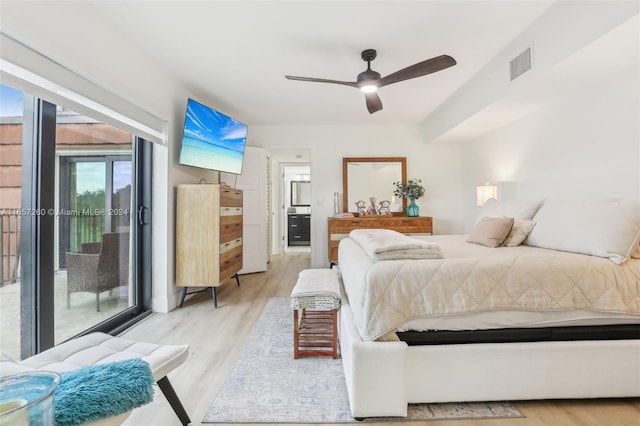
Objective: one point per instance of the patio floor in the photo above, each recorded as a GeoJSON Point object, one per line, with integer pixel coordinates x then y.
{"type": "Point", "coordinates": [68, 321]}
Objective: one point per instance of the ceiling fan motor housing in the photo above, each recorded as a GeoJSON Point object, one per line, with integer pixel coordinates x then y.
{"type": "Point", "coordinates": [368, 55]}
{"type": "Point", "coordinates": [368, 75]}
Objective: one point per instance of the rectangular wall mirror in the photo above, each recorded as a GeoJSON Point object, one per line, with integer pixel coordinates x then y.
{"type": "Point", "coordinates": [366, 177]}
{"type": "Point", "coordinates": [300, 193]}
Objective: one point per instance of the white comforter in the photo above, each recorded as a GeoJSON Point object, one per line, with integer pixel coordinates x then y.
{"type": "Point", "coordinates": [473, 278]}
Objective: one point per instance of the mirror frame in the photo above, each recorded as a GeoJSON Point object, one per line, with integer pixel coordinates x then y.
{"type": "Point", "coordinates": [293, 182]}
{"type": "Point", "coordinates": [345, 179]}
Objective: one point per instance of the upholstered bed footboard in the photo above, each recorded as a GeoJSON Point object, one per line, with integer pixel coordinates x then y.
{"type": "Point", "coordinates": [382, 377]}
{"type": "Point", "coordinates": [521, 371]}
{"type": "Point", "coordinates": [375, 372]}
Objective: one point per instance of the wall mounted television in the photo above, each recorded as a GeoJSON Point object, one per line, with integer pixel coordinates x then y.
{"type": "Point", "coordinates": [212, 140]}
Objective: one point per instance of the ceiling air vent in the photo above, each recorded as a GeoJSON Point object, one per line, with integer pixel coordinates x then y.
{"type": "Point", "coordinates": [520, 64]}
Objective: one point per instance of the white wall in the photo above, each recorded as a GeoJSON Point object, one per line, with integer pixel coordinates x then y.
{"type": "Point", "coordinates": [586, 146]}
{"type": "Point", "coordinates": [437, 166]}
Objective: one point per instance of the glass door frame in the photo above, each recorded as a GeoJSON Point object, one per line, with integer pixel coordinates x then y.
{"type": "Point", "coordinates": [38, 254]}
{"type": "Point", "coordinates": [63, 192]}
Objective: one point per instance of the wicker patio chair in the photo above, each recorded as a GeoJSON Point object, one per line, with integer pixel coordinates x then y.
{"type": "Point", "coordinates": [99, 267]}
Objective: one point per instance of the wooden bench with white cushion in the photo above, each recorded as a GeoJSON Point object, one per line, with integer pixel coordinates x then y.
{"type": "Point", "coordinates": [317, 295]}
{"type": "Point", "coordinates": [99, 348]}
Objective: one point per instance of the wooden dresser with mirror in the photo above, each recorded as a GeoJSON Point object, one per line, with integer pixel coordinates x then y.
{"type": "Point", "coordinates": [366, 177]}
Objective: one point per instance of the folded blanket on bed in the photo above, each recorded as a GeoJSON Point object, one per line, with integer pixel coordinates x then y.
{"type": "Point", "coordinates": [385, 244]}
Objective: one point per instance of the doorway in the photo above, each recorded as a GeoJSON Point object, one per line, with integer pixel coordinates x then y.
{"type": "Point", "coordinates": [291, 166]}
{"type": "Point", "coordinates": [296, 184]}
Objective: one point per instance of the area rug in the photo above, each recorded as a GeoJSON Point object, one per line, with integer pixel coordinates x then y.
{"type": "Point", "coordinates": [266, 385]}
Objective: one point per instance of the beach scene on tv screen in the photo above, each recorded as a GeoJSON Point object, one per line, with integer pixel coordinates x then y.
{"type": "Point", "coordinates": [212, 140]}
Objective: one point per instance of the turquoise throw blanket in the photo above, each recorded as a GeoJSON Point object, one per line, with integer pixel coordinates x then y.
{"type": "Point", "coordinates": [102, 390]}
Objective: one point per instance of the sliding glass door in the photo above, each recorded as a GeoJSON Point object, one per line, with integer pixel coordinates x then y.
{"type": "Point", "coordinates": [80, 261]}
{"type": "Point", "coordinates": [94, 203]}
{"type": "Point", "coordinates": [11, 127]}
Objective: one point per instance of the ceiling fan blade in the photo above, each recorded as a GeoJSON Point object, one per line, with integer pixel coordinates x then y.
{"type": "Point", "coordinates": [373, 102]}
{"type": "Point", "coordinates": [321, 80]}
{"type": "Point", "coordinates": [417, 70]}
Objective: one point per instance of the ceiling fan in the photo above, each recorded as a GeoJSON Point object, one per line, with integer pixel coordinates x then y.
{"type": "Point", "coordinates": [369, 81]}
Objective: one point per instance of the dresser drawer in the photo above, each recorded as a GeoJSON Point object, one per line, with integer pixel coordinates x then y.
{"type": "Point", "coordinates": [230, 197]}
{"type": "Point", "coordinates": [230, 211]}
{"type": "Point", "coordinates": [230, 262]}
{"type": "Point", "coordinates": [400, 224]}
{"type": "Point", "coordinates": [230, 228]}
{"type": "Point", "coordinates": [229, 245]}
{"type": "Point", "coordinates": [408, 225]}
{"type": "Point", "coordinates": [333, 251]}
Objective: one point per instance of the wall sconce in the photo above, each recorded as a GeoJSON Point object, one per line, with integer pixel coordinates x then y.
{"type": "Point", "coordinates": [484, 192]}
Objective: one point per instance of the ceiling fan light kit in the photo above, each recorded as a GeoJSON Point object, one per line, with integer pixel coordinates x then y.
{"type": "Point", "coordinates": [369, 81]}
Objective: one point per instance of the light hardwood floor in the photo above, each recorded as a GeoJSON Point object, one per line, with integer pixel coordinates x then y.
{"type": "Point", "coordinates": [215, 337]}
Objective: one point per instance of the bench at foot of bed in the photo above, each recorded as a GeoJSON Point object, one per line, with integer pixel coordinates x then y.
{"type": "Point", "coordinates": [316, 296]}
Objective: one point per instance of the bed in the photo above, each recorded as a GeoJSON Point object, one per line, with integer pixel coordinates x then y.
{"type": "Point", "coordinates": [556, 317]}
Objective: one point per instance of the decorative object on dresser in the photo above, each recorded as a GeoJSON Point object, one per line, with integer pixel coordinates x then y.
{"type": "Point", "coordinates": [385, 208]}
{"type": "Point", "coordinates": [412, 190]}
{"type": "Point", "coordinates": [208, 236]}
{"type": "Point", "coordinates": [364, 178]}
{"type": "Point", "coordinates": [339, 228]}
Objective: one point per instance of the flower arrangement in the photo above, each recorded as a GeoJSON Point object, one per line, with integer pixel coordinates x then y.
{"type": "Point", "coordinates": [412, 190]}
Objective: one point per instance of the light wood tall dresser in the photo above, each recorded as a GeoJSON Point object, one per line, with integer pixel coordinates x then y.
{"type": "Point", "coordinates": [208, 236]}
{"type": "Point", "coordinates": [340, 227]}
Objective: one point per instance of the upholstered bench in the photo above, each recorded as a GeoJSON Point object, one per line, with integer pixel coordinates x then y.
{"type": "Point", "coordinates": [317, 296]}
{"type": "Point", "coordinates": [100, 348]}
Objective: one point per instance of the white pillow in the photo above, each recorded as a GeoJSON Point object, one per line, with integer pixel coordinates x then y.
{"type": "Point", "coordinates": [517, 209]}
{"type": "Point", "coordinates": [519, 232]}
{"type": "Point", "coordinates": [607, 228]}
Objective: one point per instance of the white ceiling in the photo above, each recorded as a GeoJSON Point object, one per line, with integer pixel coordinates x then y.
{"type": "Point", "coordinates": [614, 51]}
{"type": "Point", "coordinates": [234, 55]}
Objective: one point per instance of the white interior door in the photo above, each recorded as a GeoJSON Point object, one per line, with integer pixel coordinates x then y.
{"type": "Point", "coordinates": [253, 182]}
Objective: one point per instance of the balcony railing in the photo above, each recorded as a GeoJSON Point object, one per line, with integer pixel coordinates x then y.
{"type": "Point", "coordinates": [83, 227]}
{"type": "Point", "coordinates": [9, 247]}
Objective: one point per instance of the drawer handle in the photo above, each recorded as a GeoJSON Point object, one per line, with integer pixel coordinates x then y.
{"type": "Point", "coordinates": [293, 226]}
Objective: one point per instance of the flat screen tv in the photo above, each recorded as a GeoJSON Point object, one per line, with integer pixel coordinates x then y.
{"type": "Point", "coordinates": [212, 140]}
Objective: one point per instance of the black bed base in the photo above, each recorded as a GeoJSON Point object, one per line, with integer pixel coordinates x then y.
{"type": "Point", "coordinates": [513, 335]}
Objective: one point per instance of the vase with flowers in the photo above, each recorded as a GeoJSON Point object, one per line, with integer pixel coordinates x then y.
{"type": "Point", "coordinates": [412, 190]}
